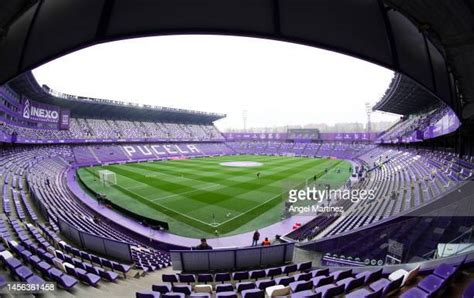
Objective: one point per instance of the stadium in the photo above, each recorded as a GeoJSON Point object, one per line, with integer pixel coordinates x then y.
{"type": "Point", "coordinates": [105, 197]}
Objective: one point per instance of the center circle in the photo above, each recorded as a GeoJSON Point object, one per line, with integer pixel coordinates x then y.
{"type": "Point", "coordinates": [241, 164]}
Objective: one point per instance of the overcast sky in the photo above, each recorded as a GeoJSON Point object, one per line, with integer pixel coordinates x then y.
{"type": "Point", "coordinates": [277, 83]}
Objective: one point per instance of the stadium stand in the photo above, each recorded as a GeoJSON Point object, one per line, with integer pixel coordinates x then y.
{"type": "Point", "coordinates": [43, 216]}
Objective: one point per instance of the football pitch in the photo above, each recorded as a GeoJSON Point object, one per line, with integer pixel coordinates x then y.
{"type": "Point", "coordinates": [202, 198]}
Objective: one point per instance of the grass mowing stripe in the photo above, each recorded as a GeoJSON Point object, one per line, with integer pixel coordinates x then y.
{"type": "Point", "coordinates": [272, 174]}
{"type": "Point", "coordinates": [247, 198]}
{"type": "Point", "coordinates": [170, 212]}
{"type": "Point", "coordinates": [238, 220]}
{"type": "Point", "coordinates": [252, 186]}
{"type": "Point", "coordinates": [182, 193]}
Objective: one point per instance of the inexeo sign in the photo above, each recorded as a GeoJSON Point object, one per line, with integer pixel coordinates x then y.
{"type": "Point", "coordinates": [40, 112]}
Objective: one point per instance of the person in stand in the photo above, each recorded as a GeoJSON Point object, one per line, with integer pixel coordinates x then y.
{"type": "Point", "coordinates": [203, 245]}
{"type": "Point", "coordinates": [256, 237]}
{"type": "Point", "coordinates": [266, 242]}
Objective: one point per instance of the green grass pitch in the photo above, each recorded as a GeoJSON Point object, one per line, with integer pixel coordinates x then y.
{"type": "Point", "coordinates": [198, 197]}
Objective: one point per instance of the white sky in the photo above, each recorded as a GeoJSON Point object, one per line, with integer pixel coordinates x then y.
{"type": "Point", "coordinates": [277, 83]}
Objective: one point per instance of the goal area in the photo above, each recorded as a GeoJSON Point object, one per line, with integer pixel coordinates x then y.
{"type": "Point", "coordinates": [107, 177]}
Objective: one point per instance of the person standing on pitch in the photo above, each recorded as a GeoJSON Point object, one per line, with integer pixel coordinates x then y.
{"type": "Point", "coordinates": [256, 237]}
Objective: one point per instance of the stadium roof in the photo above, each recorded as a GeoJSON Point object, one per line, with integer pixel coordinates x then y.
{"type": "Point", "coordinates": [436, 32]}
{"type": "Point", "coordinates": [405, 97]}
{"type": "Point", "coordinates": [451, 25]}
{"type": "Point", "coordinates": [81, 106]}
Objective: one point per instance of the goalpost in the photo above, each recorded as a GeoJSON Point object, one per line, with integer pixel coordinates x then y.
{"type": "Point", "coordinates": [107, 177]}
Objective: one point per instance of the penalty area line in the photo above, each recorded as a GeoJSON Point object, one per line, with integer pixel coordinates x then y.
{"type": "Point", "coordinates": [186, 192]}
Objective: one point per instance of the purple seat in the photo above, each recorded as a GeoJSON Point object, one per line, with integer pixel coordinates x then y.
{"type": "Point", "coordinates": [25, 254]}
{"type": "Point", "coordinates": [319, 272]}
{"type": "Point", "coordinates": [222, 277]}
{"type": "Point", "coordinates": [49, 257]}
{"type": "Point", "coordinates": [306, 294]}
{"type": "Point", "coordinates": [445, 271]}
{"type": "Point", "coordinates": [43, 267]}
{"type": "Point", "coordinates": [224, 288]}
{"type": "Point", "coordinates": [106, 263]}
{"type": "Point", "coordinates": [171, 278]}
{"type": "Point", "coordinates": [68, 259]}
{"type": "Point", "coordinates": [242, 286]}
{"type": "Point", "coordinates": [147, 294]}
{"type": "Point", "coordinates": [121, 268]}
{"type": "Point", "coordinates": [12, 263]}
{"type": "Point", "coordinates": [341, 274]}
{"type": "Point", "coordinates": [321, 280]}
{"type": "Point", "coordinates": [284, 281]}
{"type": "Point", "coordinates": [85, 256]}
{"type": "Point", "coordinates": [253, 293]}
{"type": "Point", "coordinates": [78, 263]}
{"type": "Point", "coordinates": [305, 266]}
{"type": "Point", "coordinates": [239, 276]}
{"type": "Point", "coordinates": [108, 275]}
{"type": "Point", "coordinates": [417, 293]}
{"type": "Point", "coordinates": [388, 286]}
{"type": "Point", "coordinates": [272, 272]}
{"type": "Point", "coordinates": [34, 259]}
{"type": "Point", "coordinates": [163, 289]}
{"type": "Point", "coordinates": [298, 286]}
{"type": "Point", "coordinates": [41, 252]}
{"type": "Point", "coordinates": [96, 260]}
{"type": "Point", "coordinates": [351, 283]}
{"type": "Point", "coordinates": [23, 272]}
{"type": "Point", "coordinates": [256, 274]}
{"type": "Point", "coordinates": [263, 284]}
{"type": "Point", "coordinates": [379, 284]}
{"type": "Point", "coordinates": [205, 278]}
{"type": "Point", "coordinates": [431, 284]}
{"type": "Point", "coordinates": [71, 271]}
{"type": "Point", "coordinates": [331, 290]}
{"type": "Point", "coordinates": [290, 269]}
{"type": "Point", "coordinates": [91, 269]}
{"type": "Point", "coordinates": [226, 295]}
{"type": "Point", "coordinates": [186, 278]}
{"type": "Point", "coordinates": [64, 280]}
{"type": "Point", "coordinates": [370, 276]}
{"type": "Point", "coordinates": [303, 276]}
{"type": "Point", "coordinates": [185, 289]}
{"type": "Point", "coordinates": [88, 278]}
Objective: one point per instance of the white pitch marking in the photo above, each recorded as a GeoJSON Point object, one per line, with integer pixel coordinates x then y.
{"type": "Point", "coordinates": [186, 192]}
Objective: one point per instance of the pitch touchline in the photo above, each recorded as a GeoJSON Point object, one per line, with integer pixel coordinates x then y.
{"type": "Point", "coordinates": [186, 192]}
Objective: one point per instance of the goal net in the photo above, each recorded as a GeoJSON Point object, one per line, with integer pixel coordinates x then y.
{"type": "Point", "coordinates": [107, 177]}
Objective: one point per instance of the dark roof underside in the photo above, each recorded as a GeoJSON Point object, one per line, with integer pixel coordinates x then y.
{"type": "Point", "coordinates": [405, 97]}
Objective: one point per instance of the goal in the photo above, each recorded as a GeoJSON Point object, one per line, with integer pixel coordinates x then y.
{"type": "Point", "coordinates": [107, 177]}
